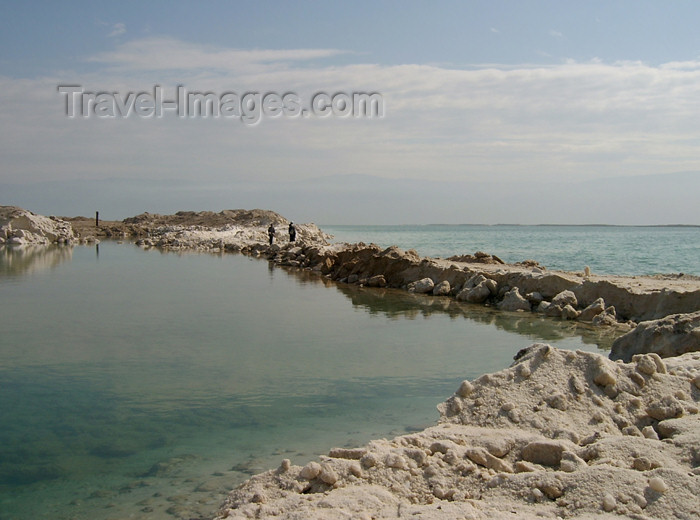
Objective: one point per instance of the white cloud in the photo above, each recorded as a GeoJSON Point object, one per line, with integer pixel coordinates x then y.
{"type": "Point", "coordinates": [117, 30]}
{"type": "Point", "coordinates": [569, 121]}
{"type": "Point", "coordinates": [163, 53]}
{"type": "Point", "coordinates": [555, 34]}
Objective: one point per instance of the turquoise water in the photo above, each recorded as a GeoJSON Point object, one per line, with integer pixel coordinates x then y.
{"type": "Point", "coordinates": [622, 250]}
{"type": "Point", "coordinates": [142, 384]}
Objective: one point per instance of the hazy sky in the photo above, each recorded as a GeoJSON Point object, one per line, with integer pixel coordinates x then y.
{"type": "Point", "coordinates": [493, 111]}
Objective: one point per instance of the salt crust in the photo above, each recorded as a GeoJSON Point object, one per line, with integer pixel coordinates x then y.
{"type": "Point", "coordinates": [558, 434]}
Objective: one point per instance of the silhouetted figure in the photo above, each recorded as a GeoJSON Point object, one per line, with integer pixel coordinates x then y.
{"type": "Point", "coordinates": [271, 233]}
{"type": "Point", "coordinates": [292, 232]}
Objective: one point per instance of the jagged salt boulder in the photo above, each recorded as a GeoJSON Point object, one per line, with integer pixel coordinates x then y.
{"type": "Point", "coordinates": [442, 289]}
{"type": "Point", "coordinates": [565, 298]}
{"type": "Point", "coordinates": [670, 336]}
{"type": "Point", "coordinates": [476, 294]}
{"type": "Point", "coordinates": [514, 301]}
{"type": "Point", "coordinates": [592, 310]}
{"type": "Point", "coordinates": [423, 286]}
{"type": "Point", "coordinates": [20, 227]}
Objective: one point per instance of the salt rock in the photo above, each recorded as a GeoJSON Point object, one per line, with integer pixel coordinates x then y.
{"type": "Point", "coordinates": [592, 310]}
{"type": "Point", "coordinates": [524, 467]}
{"type": "Point", "coordinates": [442, 446]}
{"type": "Point", "coordinates": [542, 307]}
{"type": "Point", "coordinates": [451, 407]}
{"type": "Point", "coordinates": [422, 286]}
{"type": "Point", "coordinates": [535, 298]}
{"type": "Point", "coordinates": [645, 364]}
{"type": "Point", "coordinates": [660, 365]}
{"type": "Point", "coordinates": [644, 464]}
{"type": "Point", "coordinates": [650, 433]}
{"type": "Point", "coordinates": [571, 462]}
{"type": "Point", "coordinates": [514, 301]}
{"type": "Point", "coordinates": [569, 313]}
{"type": "Point", "coordinates": [356, 470]}
{"type": "Point", "coordinates": [639, 500]}
{"type": "Point", "coordinates": [604, 377]}
{"type": "Point", "coordinates": [606, 318]}
{"type": "Point", "coordinates": [523, 370]}
{"type": "Point", "coordinates": [557, 401]}
{"type": "Point", "coordinates": [465, 389]}
{"type": "Point", "coordinates": [492, 285]}
{"type": "Point", "coordinates": [477, 294]}
{"type": "Point", "coordinates": [328, 475]}
{"type": "Point", "coordinates": [553, 311]}
{"type": "Point", "coordinates": [565, 298]}
{"type": "Point", "coordinates": [638, 379]}
{"type": "Point", "coordinates": [670, 336]}
{"type": "Point", "coordinates": [347, 453]}
{"type": "Point", "coordinates": [451, 457]}
{"type": "Point", "coordinates": [682, 395]}
{"type": "Point", "coordinates": [311, 471]}
{"type": "Point", "coordinates": [483, 458]}
{"type": "Point", "coordinates": [577, 385]}
{"type": "Point", "coordinates": [499, 447]}
{"type": "Point", "coordinates": [668, 429]}
{"type": "Point", "coordinates": [552, 491]}
{"type": "Point", "coordinates": [474, 281]}
{"type": "Point", "coordinates": [285, 465]}
{"type": "Point", "coordinates": [547, 453]}
{"type": "Point", "coordinates": [369, 460]}
{"type": "Point", "coordinates": [442, 289]}
{"type": "Point", "coordinates": [416, 454]}
{"type": "Point", "coordinates": [667, 408]}
{"type": "Point", "coordinates": [632, 431]}
{"type": "Point", "coordinates": [396, 461]}
{"type": "Point", "coordinates": [609, 502]}
{"type": "Point", "coordinates": [658, 485]}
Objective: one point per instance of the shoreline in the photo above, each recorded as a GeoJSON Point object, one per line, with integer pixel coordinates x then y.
{"type": "Point", "coordinates": [524, 286]}
{"type": "Point", "coordinates": [556, 434]}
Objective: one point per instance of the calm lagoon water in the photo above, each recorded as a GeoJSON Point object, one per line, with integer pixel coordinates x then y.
{"type": "Point", "coordinates": [142, 384]}
{"type": "Point", "coordinates": [622, 250]}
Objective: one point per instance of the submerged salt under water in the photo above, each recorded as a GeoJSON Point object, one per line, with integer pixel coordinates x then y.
{"type": "Point", "coordinates": [143, 384]}
{"type": "Point", "coordinates": [621, 250]}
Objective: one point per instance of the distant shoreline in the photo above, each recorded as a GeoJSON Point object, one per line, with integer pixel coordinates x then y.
{"type": "Point", "coordinates": [518, 225]}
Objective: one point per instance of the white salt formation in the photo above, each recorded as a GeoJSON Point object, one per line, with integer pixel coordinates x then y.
{"type": "Point", "coordinates": [558, 434]}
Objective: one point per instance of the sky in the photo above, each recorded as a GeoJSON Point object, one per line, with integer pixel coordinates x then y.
{"type": "Point", "coordinates": [527, 112]}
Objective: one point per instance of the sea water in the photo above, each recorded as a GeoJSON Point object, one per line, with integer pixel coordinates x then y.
{"type": "Point", "coordinates": [143, 384]}
{"type": "Point", "coordinates": [621, 250]}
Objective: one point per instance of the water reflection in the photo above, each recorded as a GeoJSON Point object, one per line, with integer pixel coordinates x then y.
{"type": "Point", "coordinates": [24, 260]}
{"type": "Point", "coordinates": [396, 304]}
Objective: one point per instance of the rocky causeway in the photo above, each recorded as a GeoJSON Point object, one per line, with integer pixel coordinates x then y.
{"type": "Point", "coordinates": [558, 434]}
